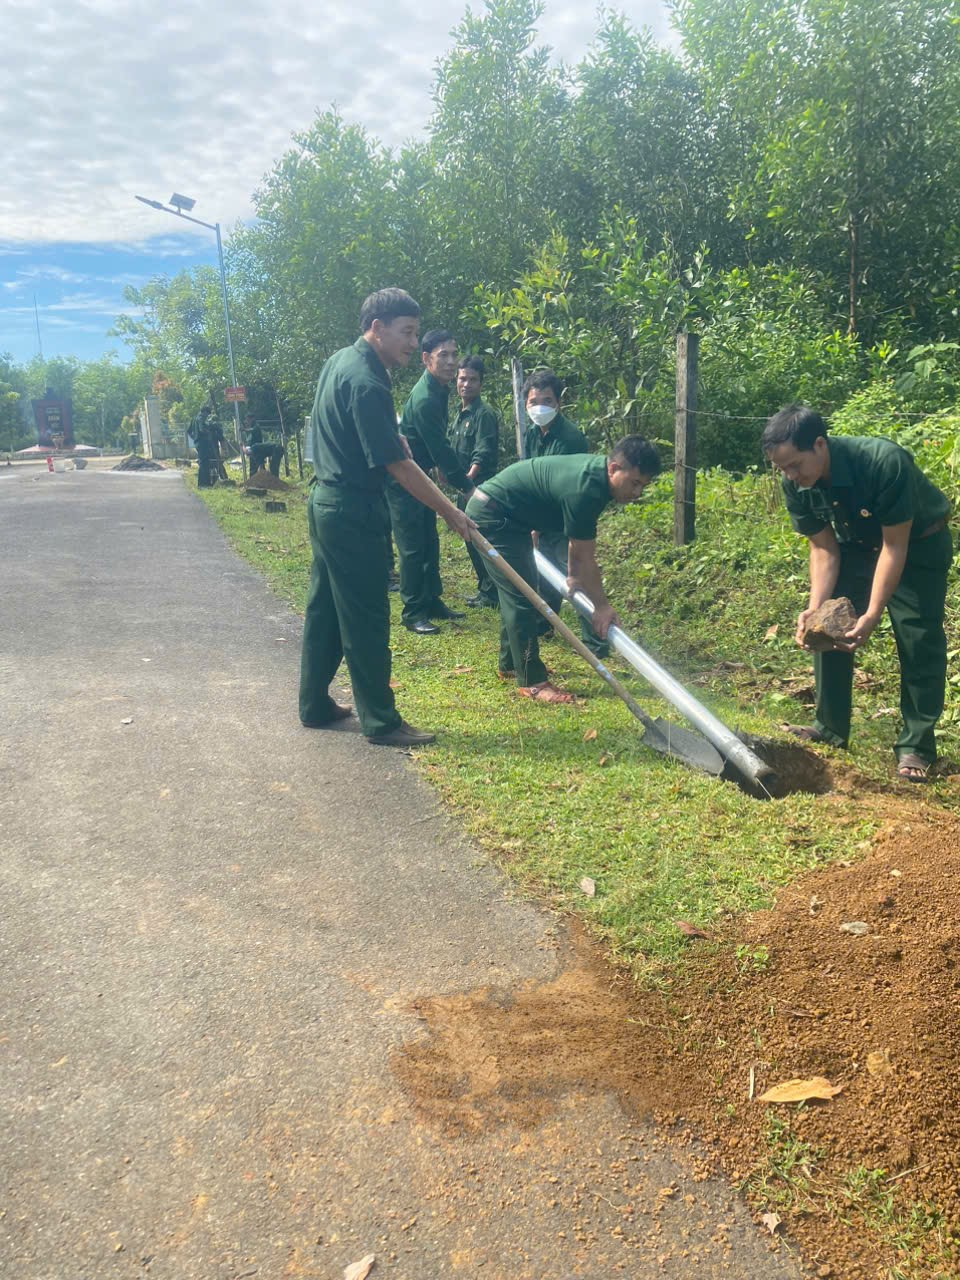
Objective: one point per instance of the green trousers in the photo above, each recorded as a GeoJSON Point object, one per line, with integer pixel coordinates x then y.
{"type": "Point", "coordinates": [916, 612]}
{"type": "Point", "coordinates": [486, 587]}
{"type": "Point", "coordinates": [556, 548]}
{"type": "Point", "coordinates": [418, 553]}
{"type": "Point", "coordinates": [519, 621]}
{"type": "Point", "coordinates": [348, 611]}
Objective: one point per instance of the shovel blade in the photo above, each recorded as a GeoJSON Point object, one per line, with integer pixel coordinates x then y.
{"type": "Point", "coordinates": [685, 745]}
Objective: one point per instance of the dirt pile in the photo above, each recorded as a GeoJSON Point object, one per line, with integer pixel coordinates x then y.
{"type": "Point", "coordinates": [136, 463]}
{"type": "Point", "coordinates": [264, 479]}
{"type": "Point", "coordinates": [789, 993]}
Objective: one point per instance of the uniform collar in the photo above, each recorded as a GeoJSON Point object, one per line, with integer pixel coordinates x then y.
{"type": "Point", "coordinates": [435, 388]}
{"type": "Point", "coordinates": [371, 357]}
{"type": "Point", "coordinates": [471, 407]}
{"type": "Point", "coordinates": [841, 475]}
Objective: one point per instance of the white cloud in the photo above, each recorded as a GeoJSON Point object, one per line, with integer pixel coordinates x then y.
{"type": "Point", "coordinates": [117, 98]}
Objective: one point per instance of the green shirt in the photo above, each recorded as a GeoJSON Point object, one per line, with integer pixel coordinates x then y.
{"type": "Point", "coordinates": [873, 482]}
{"type": "Point", "coordinates": [560, 437]}
{"type": "Point", "coordinates": [424, 423]}
{"type": "Point", "coordinates": [562, 494]}
{"type": "Point", "coordinates": [476, 439]}
{"type": "Point", "coordinates": [353, 426]}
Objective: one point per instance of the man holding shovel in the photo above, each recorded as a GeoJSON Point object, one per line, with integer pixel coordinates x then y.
{"type": "Point", "coordinates": [561, 495]}
{"type": "Point", "coordinates": [355, 444]}
{"type": "Point", "coordinates": [878, 534]}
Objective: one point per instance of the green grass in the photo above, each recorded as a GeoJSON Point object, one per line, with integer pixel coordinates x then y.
{"type": "Point", "coordinates": [555, 804]}
{"type": "Point", "coordinates": [789, 1180]}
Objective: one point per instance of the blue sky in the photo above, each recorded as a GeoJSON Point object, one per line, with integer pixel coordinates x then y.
{"type": "Point", "coordinates": [109, 99]}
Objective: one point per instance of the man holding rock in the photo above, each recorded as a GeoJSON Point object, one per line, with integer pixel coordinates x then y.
{"type": "Point", "coordinates": [878, 534]}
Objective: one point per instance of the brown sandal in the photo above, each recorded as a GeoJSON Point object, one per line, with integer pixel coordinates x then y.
{"type": "Point", "coordinates": [911, 768]}
{"type": "Point", "coordinates": [545, 692]}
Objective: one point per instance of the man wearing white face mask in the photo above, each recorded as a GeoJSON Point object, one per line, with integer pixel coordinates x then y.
{"type": "Point", "coordinates": [551, 435]}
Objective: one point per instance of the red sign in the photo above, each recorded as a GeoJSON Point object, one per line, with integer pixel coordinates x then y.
{"type": "Point", "coordinates": [232, 394]}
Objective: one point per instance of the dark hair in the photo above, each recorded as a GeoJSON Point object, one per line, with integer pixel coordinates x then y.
{"type": "Point", "coordinates": [793, 424]}
{"type": "Point", "coordinates": [474, 363]}
{"type": "Point", "coordinates": [386, 305]}
{"type": "Point", "coordinates": [638, 454]}
{"type": "Point", "coordinates": [434, 338]}
{"type": "Point", "coordinates": [542, 380]}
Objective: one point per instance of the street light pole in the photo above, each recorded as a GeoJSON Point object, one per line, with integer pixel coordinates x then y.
{"type": "Point", "coordinates": [178, 212]}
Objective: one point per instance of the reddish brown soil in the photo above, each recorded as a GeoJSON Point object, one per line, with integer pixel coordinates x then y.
{"type": "Point", "coordinates": [803, 998]}
{"type": "Point", "coordinates": [264, 479]}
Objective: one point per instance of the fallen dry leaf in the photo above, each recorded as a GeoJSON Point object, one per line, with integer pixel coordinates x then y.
{"type": "Point", "coordinates": [878, 1064]}
{"type": "Point", "coordinates": [801, 1090]}
{"type": "Point", "coordinates": [691, 930]}
{"type": "Point", "coordinates": [460, 671]}
{"type": "Point", "coordinates": [588, 886]}
{"type": "Point", "coordinates": [360, 1270]}
{"type": "Point", "coordinates": [590, 735]}
{"type": "Point", "coordinates": [604, 760]}
{"type": "Point", "coordinates": [771, 633]}
{"type": "Point", "coordinates": [771, 1221]}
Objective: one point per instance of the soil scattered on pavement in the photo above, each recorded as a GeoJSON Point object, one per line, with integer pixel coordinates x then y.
{"type": "Point", "coordinates": [783, 994]}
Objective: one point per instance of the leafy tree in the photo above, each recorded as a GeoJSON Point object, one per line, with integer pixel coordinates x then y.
{"type": "Point", "coordinates": [842, 137]}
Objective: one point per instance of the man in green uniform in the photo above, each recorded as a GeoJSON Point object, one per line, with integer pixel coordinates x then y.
{"type": "Point", "coordinates": [878, 534]}
{"type": "Point", "coordinates": [354, 443]}
{"type": "Point", "coordinates": [424, 424]}
{"type": "Point", "coordinates": [562, 496]}
{"type": "Point", "coordinates": [475, 440]}
{"type": "Point", "coordinates": [550, 435]}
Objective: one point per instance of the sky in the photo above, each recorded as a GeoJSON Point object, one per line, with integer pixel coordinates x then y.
{"type": "Point", "coordinates": [109, 99]}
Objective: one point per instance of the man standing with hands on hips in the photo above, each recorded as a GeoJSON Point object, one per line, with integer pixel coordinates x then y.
{"type": "Point", "coordinates": [355, 444]}
{"type": "Point", "coordinates": [878, 534]}
{"type": "Point", "coordinates": [424, 425]}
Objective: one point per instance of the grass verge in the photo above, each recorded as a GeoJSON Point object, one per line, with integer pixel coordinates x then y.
{"type": "Point", "coordinates": [557, 795]}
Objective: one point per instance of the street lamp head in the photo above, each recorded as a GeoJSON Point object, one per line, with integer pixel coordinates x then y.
{"type": "Point", "coordinates": [154, 204]}
{"type": "Point", "coordinates": [182, 203]}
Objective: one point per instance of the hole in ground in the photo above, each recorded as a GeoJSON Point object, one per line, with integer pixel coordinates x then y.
{"type": "Point", "coordinates": [795, 768]}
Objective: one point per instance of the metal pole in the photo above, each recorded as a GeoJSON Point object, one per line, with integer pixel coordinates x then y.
{"type": "Point", "coordinates": [726, 742]}
{"type": "Point", "coordinates": [233, 372]}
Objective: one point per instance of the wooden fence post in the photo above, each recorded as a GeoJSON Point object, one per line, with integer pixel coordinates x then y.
{"type": "Point", "coordinates": [516, 375]}
{"type": "Point", "coordinates": [685, 448]}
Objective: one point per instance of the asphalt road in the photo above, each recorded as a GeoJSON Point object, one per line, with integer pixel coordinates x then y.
{"type": "Point", "coordinates": [215, 924]}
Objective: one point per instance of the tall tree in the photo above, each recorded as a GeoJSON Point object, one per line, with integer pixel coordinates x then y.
{"type": "Point", "coordinates": [844, 136]}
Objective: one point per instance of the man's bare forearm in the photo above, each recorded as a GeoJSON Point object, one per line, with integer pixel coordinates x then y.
{"type": "Point", "coordinates": [824, 571]}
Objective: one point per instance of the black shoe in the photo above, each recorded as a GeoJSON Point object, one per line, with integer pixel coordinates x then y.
{"type": "Point", "coordinates": [480, 602]}
{"type": "Point", "coordinates": [421, 627]}
{"type": "Point", "coordinates": [337, 714]}
{"type": "Point", "coordinates": [447, 614]}
{"type": "Point", "coordinates": [404, 735]}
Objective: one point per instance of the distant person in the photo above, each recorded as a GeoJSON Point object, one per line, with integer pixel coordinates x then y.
{"type": "Point", "coordinates": [205, 443]}
{"type": "Point", "coordinates": [475, 439]}
{"type": "Point", "coordinates": [552, 435]}
{"type": "Point", "coordinates": [355, 444]}
{"type": "Point", "coordinates": [878, 534]}
{"type": "Point", "coordinates": [424, 424]}
{"type": "Point", "coordinates": [260, 451]}
{"type": "Point", "coordinates": [562, 496]}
